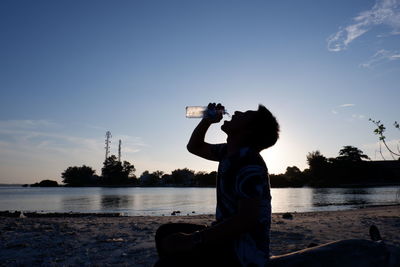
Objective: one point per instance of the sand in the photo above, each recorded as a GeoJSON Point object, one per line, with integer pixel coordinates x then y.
{"type": "Point", "coordinates": [129, 241]}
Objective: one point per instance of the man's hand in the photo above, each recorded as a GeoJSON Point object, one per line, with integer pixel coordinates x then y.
{"type": "Point", "coordinates": [178, 243]}
{"type": "Point", "coordinates": [214, 113]}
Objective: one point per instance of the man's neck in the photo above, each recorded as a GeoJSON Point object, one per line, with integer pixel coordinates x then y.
{"type": "Point", "coordinates": [234, 146]}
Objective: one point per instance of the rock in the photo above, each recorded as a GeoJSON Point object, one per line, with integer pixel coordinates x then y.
{"type": "Point", "coordinates": [175, 212]}
{"type": "Point", "coordinates": [312, 244]}
{"type": "Point", "coordinates": [115, 240]}
{"type": "Point", "coordinates": [287, 216]}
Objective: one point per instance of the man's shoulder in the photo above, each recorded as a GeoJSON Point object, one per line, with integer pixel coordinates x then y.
{"type": "Point", "coordinates": [249, 156]}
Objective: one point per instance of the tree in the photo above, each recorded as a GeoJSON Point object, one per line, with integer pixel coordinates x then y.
{"type": "Point", "coordinates": [184, 177]}
{"type": "Point", "coordinates": [351, 153]}
{"type": "Point", "coordinates": [380, 130]}
{"type": "Point", "coordinates": [318, 174]}
{"type": "Point", "coordinates": [79, 176]}
{"type": "Point", "coordinates": [206, 179]}
{"type": "Point", "coordinates": [292, 172]}
{"type": "Point", "coordinates": [116, 173]}
{"type": "Point", "coordinates": [150, 179]}
{"type": "Point", "coordinates": [316, 160]}
{"type": "Point", "coordinates": [294, 176]}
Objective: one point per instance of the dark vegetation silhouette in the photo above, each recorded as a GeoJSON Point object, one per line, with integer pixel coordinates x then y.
{"type": "Point", "coordinates": [116, 173]}
{"type": "Point", "coordinates": [80, 176]}
{"type": "Point", "coordinates": [350, 168]}
{"type": "Point", "coordinates": [46, 183]}
{"type": "Point", "coordinates": [380, 132]}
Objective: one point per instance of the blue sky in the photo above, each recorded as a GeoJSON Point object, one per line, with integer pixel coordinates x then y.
{"type": "Point", "coordinates": [72, 70]}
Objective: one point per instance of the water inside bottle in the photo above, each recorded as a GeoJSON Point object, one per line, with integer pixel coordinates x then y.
{"type": "Point", "coordinates": [198, 112]}
{"type": "Point", "coordinates": [195, 111]}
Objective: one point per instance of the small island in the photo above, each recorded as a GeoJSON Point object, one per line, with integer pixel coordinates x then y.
{"type": "Point", "coordinates": [45, 183]}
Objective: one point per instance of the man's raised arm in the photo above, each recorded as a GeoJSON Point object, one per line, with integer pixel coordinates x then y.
{"type": "Point", "coordinates": [197, 144]}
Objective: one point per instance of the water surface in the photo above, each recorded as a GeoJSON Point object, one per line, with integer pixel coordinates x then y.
{"type": "Point", "coordinates": [162, 201]}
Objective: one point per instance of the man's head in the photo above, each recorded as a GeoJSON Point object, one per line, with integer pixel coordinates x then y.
{"type": "Point", "coordinates": [256, 128]}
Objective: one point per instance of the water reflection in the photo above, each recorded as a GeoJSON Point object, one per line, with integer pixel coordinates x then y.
{"type": "Point", "coordinates": [291, 199]}
{"type": "Point", "coordinates": [321, 196]}
{"type": "Point", "coordinates": [356, 191]}
{"type": "Point", "coordinates": [110, 202]}
{"type": "Point", "coordinates": [334, 197]}
{"type": "Point", "coordinates": [78, 203]}
{"type": "Point", "coordinates": [158, 201]}
{"type": "Point", "coordinates": [356, 196]}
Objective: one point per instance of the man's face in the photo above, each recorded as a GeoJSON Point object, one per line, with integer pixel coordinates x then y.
{"type": "Point", "coordinates": [239, 123]}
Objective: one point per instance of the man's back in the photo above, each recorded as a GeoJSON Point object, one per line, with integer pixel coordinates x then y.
{"type": "Point", "coordinates": [242, 176]}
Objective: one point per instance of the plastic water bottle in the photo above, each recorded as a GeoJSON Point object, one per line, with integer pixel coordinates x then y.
{"type": "Point", "coordinates": [201, 111]}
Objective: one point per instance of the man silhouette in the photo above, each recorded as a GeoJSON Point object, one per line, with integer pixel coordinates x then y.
{"type": "Point", "coordinates": [240, 234]}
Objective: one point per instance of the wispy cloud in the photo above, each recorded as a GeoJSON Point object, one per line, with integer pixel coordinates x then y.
{"type": "Point", "coordinates": [347, 105]}
{"type": "Point", "coordinates": [43, 143]}
{"type": "Point", "coordinates": [384, 12]}
{"type": "Point", "coordinates": [380, 57]}
{"type": "Point", "coordinates": [335, 110]}
{"type": "Point", "coordinates": [130, 144]}
{"type": "Point", "coordinates": [48, 135]}
{"type": "Point", "coordinates": [26, 124]}
{"type": "Point", "coordinates": [358, 116]}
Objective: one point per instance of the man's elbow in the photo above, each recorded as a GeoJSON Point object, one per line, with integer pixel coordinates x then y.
{"type": "Point", "coordinates": [191, 148]}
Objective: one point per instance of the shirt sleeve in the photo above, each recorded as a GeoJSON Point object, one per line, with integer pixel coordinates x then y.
{"type": "Point", "coordinates": [252, 182]}
{"type": "Point", "coordinates": [218, 151]}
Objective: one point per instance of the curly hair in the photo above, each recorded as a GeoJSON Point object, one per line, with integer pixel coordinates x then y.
{"type": "Point", "coordinates": [265, 129]}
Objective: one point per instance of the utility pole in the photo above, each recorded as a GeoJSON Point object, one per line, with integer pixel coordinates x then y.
{"type": "Point", "coordinates": [108, 142]}
{"type": "Point", "coordinates": [119, 150]}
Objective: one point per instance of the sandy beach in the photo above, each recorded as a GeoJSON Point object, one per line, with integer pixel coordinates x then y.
{"type": "Point", "coordinates": [121, 241]}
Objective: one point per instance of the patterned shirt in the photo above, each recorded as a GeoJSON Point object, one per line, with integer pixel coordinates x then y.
{"type": "Point", "coordinates": [244, 176]}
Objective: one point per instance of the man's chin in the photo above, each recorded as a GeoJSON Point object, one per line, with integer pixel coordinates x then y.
{"type": "Point", "coordinates": [224, 126]}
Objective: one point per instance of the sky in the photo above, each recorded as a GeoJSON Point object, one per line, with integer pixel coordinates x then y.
{"type": "Point", "coordinates": [72, 70]}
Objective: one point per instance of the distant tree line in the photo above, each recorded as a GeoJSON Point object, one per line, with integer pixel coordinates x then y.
{"type": "Point", "coordinates": [116, 173]}
{"type": "Point", "coordinates": [113, 173]}
{"type": "Point", "coordinates": [350, 167]}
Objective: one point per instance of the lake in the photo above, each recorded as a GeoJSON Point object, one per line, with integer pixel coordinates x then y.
{"type": "Point", "coordinates": [134, 201]}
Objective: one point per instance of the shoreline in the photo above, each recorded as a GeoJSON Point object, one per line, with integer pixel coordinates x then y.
{"type": "Point", "coordinates": [36, 214]}
{"type": "Point", "coordinates": [354, 185]}
{"type": "Point", "coordinates": [129, 240]}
